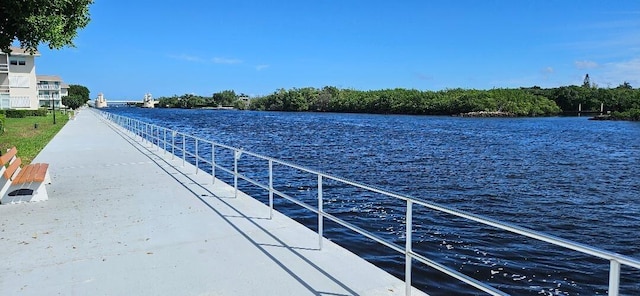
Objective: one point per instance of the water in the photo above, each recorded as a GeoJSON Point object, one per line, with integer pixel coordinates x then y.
{"type": "Point", "coordinates": [566, 176]}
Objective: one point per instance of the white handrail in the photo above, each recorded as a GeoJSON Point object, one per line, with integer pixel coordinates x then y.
{"type": "Point", "coordinates": [134, 126]}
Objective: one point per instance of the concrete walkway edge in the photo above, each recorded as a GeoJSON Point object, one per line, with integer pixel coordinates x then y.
{"type": "Point", "coordinates": [124, 218]}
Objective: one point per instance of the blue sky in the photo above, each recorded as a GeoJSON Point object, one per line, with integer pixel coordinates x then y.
{"type": "Point", "coordinates": [255, 47]}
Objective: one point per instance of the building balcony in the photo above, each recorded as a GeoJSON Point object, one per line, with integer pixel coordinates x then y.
{"type": "Point", "coordinates": [48, 97]}
{"type": "Point", "coordinates": [7, 102]}
{"type": "Point", "coordinates": [48, 87]}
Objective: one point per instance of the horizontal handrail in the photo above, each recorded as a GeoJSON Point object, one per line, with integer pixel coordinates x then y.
{"type": "Point", "coordinates": [133, 125]}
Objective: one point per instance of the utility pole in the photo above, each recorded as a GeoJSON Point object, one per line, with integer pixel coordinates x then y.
{"type": "Point", "coordinates": [53, 108]}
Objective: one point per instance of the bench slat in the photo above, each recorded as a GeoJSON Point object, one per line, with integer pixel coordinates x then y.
{"type": "Point", "coordinates": [5, 158]}
{"type": "Point", "coordinates": [41, 173]}
{"type": "Point", "coordinates": [24, 175]}
{"type": "Point", "coordinates": [12, 168]}
{"type": "Point", "coordinates": [32, 173]}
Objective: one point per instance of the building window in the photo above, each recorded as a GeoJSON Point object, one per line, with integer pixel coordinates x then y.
{"type": "Point", "coordinates": [19, 81]}
{"type": "Point", "coordinates": [18, 62]}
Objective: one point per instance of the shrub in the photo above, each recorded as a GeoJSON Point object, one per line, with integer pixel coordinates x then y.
{"type": "Point", "coordinates": [2, 117]}
{"type": "Point", "coordinates": [11, 113]}
{"type": "Point", "coordinates": [39, 112]}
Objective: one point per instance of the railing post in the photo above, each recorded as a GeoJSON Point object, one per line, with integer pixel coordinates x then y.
{"type": "Point", "coordinates": [270, 189]}
{"type": "Point", "coordinates": [407, 248]}
{"type": "Point", "coordinates": [320, 212]}
{"type": "Point", "coordinates": [173, 144]}
{"type": "Point", "coordinates": [614, 278]}
{"type": "Point", "coordinates": [197, 160]}
{"type": "Point", "coordinates": [184, 150]}
{"type": "Point", "coordinates": [164, 142]}
{"type": "Point", "coordinates": [236, 155]}
{"type": "Point", "coordinates": [213, 163]}
{"type": "Point", "coordinates": [156, 137]}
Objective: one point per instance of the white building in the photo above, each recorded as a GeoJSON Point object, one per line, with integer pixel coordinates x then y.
{"type": "Point", "coordinates": [101, 102]}
{"type": "Point", "coordinates": [18, 80]}
{"type": "Point", "coordinates": [20, 88]}
{"type": "Point", "coordinates": [51, 89]}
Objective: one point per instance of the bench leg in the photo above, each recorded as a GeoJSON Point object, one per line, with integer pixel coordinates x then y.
{"type": "Point", "coordinates": [47, 178]}
{"type": "Point", "coordinates": [40, 193]}
{"type": "Point", "coordinates": [17, 194]}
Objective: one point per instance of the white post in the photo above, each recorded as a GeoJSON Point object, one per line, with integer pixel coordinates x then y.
{"type": "Point", "coordinates": [213, 163]}
{"type": "Point", "coordinates": [197, 162]}
{"type": "Point", "coordinates": [173, 144]}
{"type": "Point", "coordinates": [270, 189]}
{"type": "Point", "coordinates": [184, 150]}
{"type": "Point", "coordinates": [407, 256]}
{"type": "Point", "coordinates": [320, 212]}
{"type": "Point", "coordinates": [614, 278]}
{"type": "Point", "coordinates": [236, 155]}
{"type": "Point", "coordinates": [579, 109]}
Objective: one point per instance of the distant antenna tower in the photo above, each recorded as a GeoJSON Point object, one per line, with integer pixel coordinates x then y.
{"type": "Point", "coordinates": [587, 81]}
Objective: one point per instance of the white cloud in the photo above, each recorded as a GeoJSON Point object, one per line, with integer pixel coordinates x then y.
{"type": "Point", "coordinates": [585, 64]}
{"type": "Point", "coordinates": [547, 73]}
{"type": "Point", "coordinates": [186, 57]}
{"type": "Point", "coordinates": [618, 72]}
{"type": "Point", "coordinates": [422, 76]}
{"type": "Point", "coordinates": [261, 67]}
{"type": "Point", "coordinates": [228, 61]}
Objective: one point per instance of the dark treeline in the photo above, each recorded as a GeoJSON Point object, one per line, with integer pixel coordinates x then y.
{"type": "Point", "coordinates": [623, 101]}
{"type": "Point", "coordinates": [534, 101]}
{"type": "Point", "coordinates": [407, 101]}
{"type": "Point", "coordinates": [227, 98]}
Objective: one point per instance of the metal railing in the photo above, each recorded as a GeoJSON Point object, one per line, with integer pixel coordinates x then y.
{"type": "Point", "coordinates": [49, 97]}
{"type": "Point", "coordinates": [48, 87]}
{"type": "Point", "coordinates": [174, 142]}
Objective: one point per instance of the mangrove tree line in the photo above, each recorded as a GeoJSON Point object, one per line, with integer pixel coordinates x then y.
{"type": "Point", "coordinates": [623, 101]}
{"type": "Point", "coordinates": [533, 101]}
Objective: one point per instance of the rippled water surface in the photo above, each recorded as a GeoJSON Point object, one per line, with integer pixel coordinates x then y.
{"type": "Point", "coordinates": [566, 176]}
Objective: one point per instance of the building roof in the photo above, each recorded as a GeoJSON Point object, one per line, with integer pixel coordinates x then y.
{"type": "Point", "coordinates": [17, 51]}
{"type": "Point", "coordinates": [64, 85]}
{"type": "Point", "coordinates": [48, 78]}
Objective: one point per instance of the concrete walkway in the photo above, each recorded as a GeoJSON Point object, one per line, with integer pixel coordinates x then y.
{"type": "Point", "coordinates": [124, 219]}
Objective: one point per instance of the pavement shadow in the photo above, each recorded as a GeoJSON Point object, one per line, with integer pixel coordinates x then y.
{"type": "Point", "coordinates": [154, 153]}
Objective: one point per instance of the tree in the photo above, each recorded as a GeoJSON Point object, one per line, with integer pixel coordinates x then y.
{"type": "Point", "coordinates": [73, 101]}
{"type": "Point", "coordinates": [625, 85]}
{"type": "Point", "coordinates": [32, 22]}
{"type": "Point", "coordinates": [224, 98]}
{"type": "Point", "coordinates": [79, 90]}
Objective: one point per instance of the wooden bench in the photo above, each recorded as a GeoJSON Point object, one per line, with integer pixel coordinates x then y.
{"type": "Point", "coordinates": [22, 184]}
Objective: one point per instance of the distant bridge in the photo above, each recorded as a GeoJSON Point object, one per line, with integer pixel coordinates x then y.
{"type": "Point", "coordinates": [128, 103]}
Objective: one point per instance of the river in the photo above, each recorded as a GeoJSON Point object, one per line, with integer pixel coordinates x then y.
{"type": "Point", "coordinates": [566, 176]}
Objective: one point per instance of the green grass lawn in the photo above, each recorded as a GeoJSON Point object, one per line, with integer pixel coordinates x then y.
{"type": "Point", "coordinates": [20, 132]}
